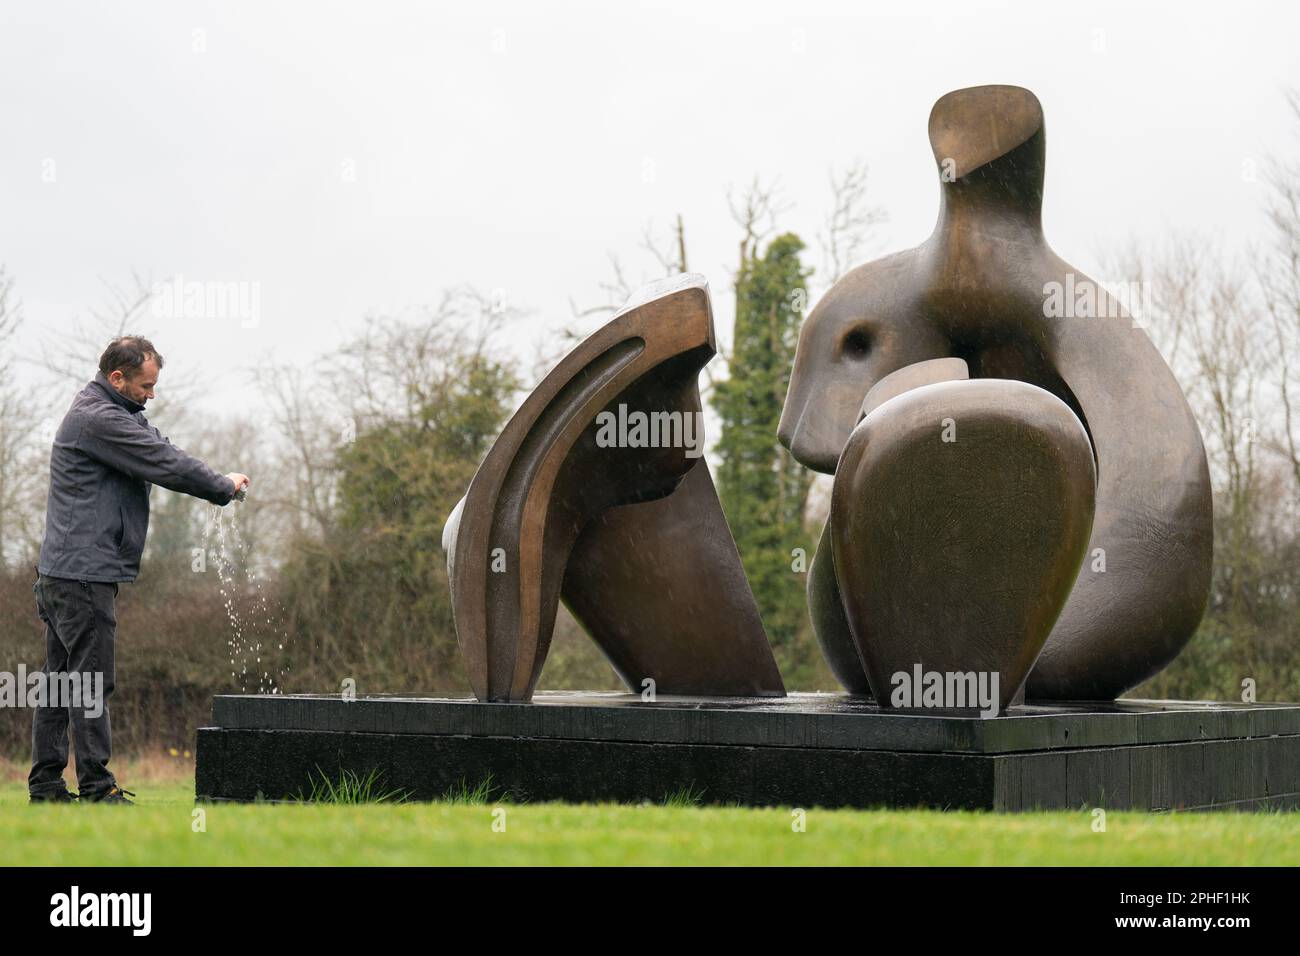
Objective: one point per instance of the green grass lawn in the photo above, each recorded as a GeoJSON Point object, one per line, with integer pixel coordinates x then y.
{"type": "Point", "coordinates": [159, 831]}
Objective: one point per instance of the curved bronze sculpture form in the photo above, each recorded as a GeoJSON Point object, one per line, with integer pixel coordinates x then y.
{"type": "Point", "coordinates": [976, 290]}
{"type": "Point", "coordinates": [632, 537]}
{"type": "Point", "coordinates": [960, 514]}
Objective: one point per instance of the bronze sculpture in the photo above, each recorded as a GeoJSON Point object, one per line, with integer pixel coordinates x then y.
{"type": "Point", "coordinates": [976, 291]}
{"type": "Point", "coordinates": [633, 538]}
{"type": "Point", "coordinates": [994, 509]}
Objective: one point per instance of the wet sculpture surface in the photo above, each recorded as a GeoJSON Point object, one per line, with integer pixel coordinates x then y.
{"type": "Point", "coordinates": [979, 290]}
{"type": "Point", "coordinates": [1020, 489]}
{"type": "Point", "coordinates": [632, 537]}
{"type": "Point", "coordinates": [959, 518]}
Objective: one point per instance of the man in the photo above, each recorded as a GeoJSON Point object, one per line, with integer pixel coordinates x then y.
{"type": "Point", "coordinates": [104, 464]}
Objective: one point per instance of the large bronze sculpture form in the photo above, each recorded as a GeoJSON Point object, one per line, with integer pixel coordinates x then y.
{"type": "Point", "coordinates": [978, 289]}
{"type": "Point", "coordinates": [629, 533]}
{"type": "Point", "coordinates": [1016, 492]}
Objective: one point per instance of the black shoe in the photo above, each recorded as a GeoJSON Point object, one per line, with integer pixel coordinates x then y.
{"type": "Point", "coordinates": [54, 796]}
{"type": "Point", "coordinates": [112, 795]}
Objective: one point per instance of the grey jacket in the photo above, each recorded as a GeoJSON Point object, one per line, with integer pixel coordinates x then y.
{"type": "Point", "coordinates": [104, 464]}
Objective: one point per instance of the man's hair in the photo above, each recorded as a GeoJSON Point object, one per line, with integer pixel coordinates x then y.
{"type": "Point", "coordinates": [128, 353]}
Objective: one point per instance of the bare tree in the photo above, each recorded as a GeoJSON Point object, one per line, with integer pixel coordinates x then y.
{"type": "Point", "coordinates": [397, 368]}
{"type": "Point", "coordinates": [308, 432]}
{"type": "Point", "coordinates": [1208, 321]}
{"type": "Point", "coordinates": [849, 221]}
{"type": "Point", "coordinates": [756, 211]}
{"type": "Point", "coordinates": [670, 259]}
{"type": "Point", "coordinates": [407, 359]}
{"type": "Point", "coordinates": [71, 356]}
{"type": "Point", "coordinates": [67, 354]}
{"type": "Point", "coordinates": [1280, 280]}
{"type": "Point", "coordinates": [17, 418]}
{"type": "Point", "coordinates": [617, 288]}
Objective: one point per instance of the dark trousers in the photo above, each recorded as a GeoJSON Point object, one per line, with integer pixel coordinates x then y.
{"type": "Point", "coordinates": [80, 626]}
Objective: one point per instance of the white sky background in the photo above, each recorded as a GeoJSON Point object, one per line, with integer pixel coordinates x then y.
{"type": "Point", "coordinates": [507, 145]}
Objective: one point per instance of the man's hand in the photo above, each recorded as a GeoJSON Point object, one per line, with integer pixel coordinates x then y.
{"type": "Point", "coordinates": [239, 480]}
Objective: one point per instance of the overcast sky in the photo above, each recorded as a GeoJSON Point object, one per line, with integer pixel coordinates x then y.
{"type": "Point", "coordinates": [353, 158]}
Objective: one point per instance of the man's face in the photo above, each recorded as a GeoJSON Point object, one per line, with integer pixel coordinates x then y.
{"type": "Point", "coordinates": [138, 388]}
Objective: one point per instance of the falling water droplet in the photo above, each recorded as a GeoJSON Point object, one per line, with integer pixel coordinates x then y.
{"type": "Point", "coordinates": [239, 586]}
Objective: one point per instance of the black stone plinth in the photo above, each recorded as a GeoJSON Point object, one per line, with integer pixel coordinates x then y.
{"type": "Point", "coordinates": [804, 750]}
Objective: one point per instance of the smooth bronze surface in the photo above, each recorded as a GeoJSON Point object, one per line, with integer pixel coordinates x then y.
{"type": "Point", "coordinates": [987, 288]}
{"type": "Point", "coordinates": [959, 518]}
{"type": "Point", "coordinates": [660, 588]}
{"type": "Point", "coordinates": [831, 627]}
{"type": "Point", "coordinates": [913, 376]}
{"type": "Point", "coordinates": [553, 507]}
{"type": "Point", "coordinates": [825, 603]}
